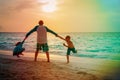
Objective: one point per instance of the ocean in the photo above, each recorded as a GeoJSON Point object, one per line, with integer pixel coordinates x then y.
{"type": "Point", "coordinates": [104, 45]}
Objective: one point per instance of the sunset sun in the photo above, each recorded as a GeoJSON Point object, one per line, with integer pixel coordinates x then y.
{"type": "Point", "coordinates": [49, 8]}
{"type": "Point", "coordinates": [49, 5]}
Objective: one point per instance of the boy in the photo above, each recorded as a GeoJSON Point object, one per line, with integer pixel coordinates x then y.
{"type": "Point", "coordinates": [69, 45]}
{"type": "Point", "coordinates": [18, 49]}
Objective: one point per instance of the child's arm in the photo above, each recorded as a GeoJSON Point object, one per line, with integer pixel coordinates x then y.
{"type": "Point", "coordinates": [24, 40]}
{"type": "Point", "coordinates": [65, 45]}
{"type": "Point", "coordinates": [61, 37]}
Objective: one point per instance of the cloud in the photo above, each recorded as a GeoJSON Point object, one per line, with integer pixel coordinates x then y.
{"type": "Point", "coordinates": [6, 7]}
{"type": "Point", "coordinates": [27, 4]}
{"type": "Point", "coordinates": [9, 7]}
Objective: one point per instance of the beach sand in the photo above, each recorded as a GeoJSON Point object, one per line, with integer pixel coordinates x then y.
{"type": "Point", "coordinates": [24, 68]}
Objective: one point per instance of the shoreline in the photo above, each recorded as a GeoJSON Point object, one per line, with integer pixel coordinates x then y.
{"type": "Point", "coordinates": [57, 69]}
{"type": "Point", "coordinates": [113, 56]}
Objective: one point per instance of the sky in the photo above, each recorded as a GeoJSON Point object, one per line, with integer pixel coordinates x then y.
{"type": "Point", "coordinates": [60, 15]}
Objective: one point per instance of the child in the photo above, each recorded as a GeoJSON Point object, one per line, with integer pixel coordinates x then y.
{"type": "Point", "coordinates": [69, 45]}
{"type": "Point", "coordinates": [18, 49]}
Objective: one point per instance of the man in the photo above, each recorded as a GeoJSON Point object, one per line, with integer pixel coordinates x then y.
{"type": "Point", "coordinates": [41, 39]}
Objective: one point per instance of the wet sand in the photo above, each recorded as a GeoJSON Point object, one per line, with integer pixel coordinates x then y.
{"type": "Point", "coordinates": [24, 68]}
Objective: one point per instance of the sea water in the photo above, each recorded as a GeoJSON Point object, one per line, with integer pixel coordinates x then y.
{"type": "Point", "coordinates": [105, 45]}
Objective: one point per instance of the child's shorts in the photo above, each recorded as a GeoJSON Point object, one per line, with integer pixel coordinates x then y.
{"type": "Point", "coordinates": [43, 47]}
{"type": "Point", "coordinates": [71, 49]}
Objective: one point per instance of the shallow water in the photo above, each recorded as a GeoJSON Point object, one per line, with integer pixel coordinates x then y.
{"type": "Point", "coordinates": [95, 45]}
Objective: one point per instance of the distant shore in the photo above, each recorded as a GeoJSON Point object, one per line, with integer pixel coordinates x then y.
{"type": "Point", "coordinates": [24, 68]}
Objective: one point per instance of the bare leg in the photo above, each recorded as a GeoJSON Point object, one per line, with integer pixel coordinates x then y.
{"type": "Point", "coordinates": [67, 58]}
{"type": "Point", "coordinates": [47, 55]}
{"type": "Point", "coordinates": [22, 51]}
{"type": "Point", "coordinates": [36, 54]}
{"type": "Point", "coordinates": [21, 54]}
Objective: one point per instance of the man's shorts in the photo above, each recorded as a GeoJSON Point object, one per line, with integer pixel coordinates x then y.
{"type": "Point", "coordinates": [71, 49]}
{"type": "Point", "coordinates": [43, 47]}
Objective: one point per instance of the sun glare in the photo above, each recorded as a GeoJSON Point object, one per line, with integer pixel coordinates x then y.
{"type": "Point", "coordinates": [49, 8]}
{"type": "Point", "coordinates": [43, 1]}
{"type": "Point", "coordinates": [48, 5]}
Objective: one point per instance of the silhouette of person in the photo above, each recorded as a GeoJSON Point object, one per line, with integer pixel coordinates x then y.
{"type": "Point", "coordinates": [41, 30]}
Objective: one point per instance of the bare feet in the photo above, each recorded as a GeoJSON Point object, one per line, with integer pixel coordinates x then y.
{"type": "Point", "coordinates": [35, 60]}
{"type": "Point", "coordinates": [48, 61]}
{"type": "Point", "coordinates": [21, 54]}
{"type": "Point", "coordinates": [67, 62]}
{"type": "Point", "coordinates": [18, 56]}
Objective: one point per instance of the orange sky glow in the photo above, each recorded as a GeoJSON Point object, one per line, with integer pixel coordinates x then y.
{"type": "Point", "coordinates": [60, 15]}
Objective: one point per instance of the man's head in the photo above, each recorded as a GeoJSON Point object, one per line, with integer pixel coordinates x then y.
{"type": "Point", "coordinates": [40, 22]}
